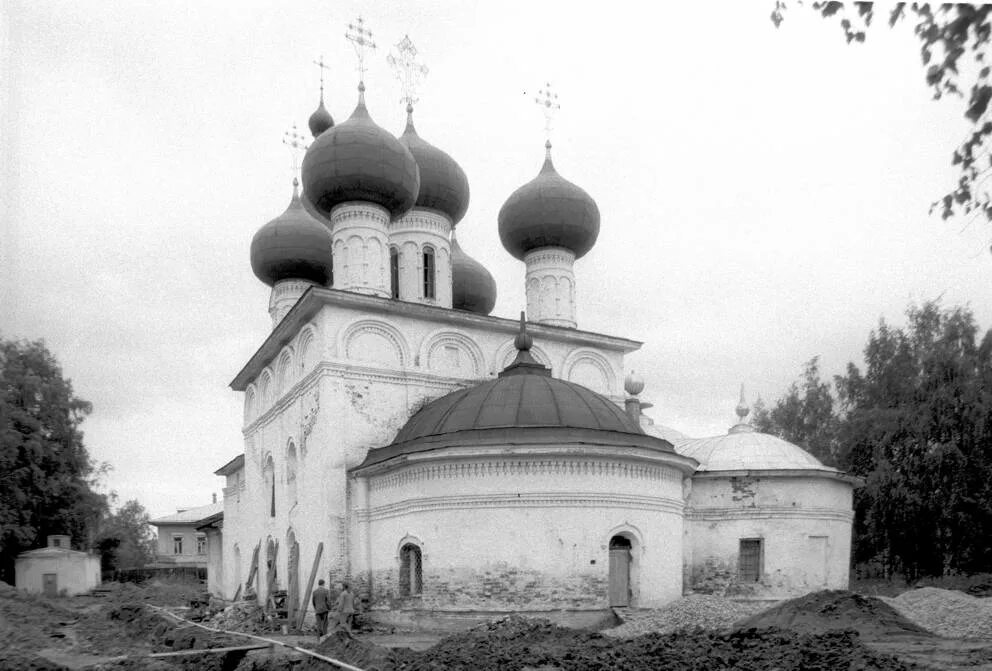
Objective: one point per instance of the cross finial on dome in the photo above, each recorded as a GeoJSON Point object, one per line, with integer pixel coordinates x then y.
{"type": "Point", "coordinates": [323, 66]}
{"type": "Point", "coordinates": [408, 70]}
{"type": "Point", "coordinates": [297, 146]}
{"type": "Point", "coordinates": [361, 38]}
{"type": "Point", "coordinates": [548, 100]}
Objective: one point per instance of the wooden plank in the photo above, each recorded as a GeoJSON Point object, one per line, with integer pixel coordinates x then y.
{"type": "Point", "coordinates": [271, 578]}
{"type": "Point", "coordinates": [254, 566]}
{"type": "Point", "coordinates": [237, 593]}
{"type": "Point", "coordinates": [193, 651]}
{"type": "Point", "coordinates": [313, 574]}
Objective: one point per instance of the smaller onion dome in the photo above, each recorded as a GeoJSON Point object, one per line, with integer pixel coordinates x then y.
{"type": "Point", "coordinates": [294, 245]}
{"type": "Point", "coordinates": [320, 120]}
{"type": "Point", "coordinates": [357, 160]}
{"type": "Point", "coordinates": [472, 287]}
{"type": "Point", "coordinates": [548, 211]}
{"type": "Point", "coordinates": [443, 184]}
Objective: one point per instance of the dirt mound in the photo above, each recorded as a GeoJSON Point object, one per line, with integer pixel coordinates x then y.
{"type": "Point", "coordinates": [518, 643]}
{"type": "Point", "coordinates": [946, 612]}
{"type": "Point", "coordinates": [836, 609]}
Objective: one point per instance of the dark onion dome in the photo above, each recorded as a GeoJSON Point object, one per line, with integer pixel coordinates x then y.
{"type": "Point", "coordinates": [294, 245]}
{"type": "Point", "coordinates": [443, 184]}
{"type": "Point", "coordinates": [472, 287]}
{"type": "Point", "coordinates": [548, 211]}
{"type": "Point", "coordinates": [320, 120]}
{"type": "Point", "coordinates": [358, 161]}
{"type": "Point", "coordinates": [523, 406]}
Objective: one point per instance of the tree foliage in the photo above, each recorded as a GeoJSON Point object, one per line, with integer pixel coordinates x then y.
{"type": "Point", "coordinates": [125, 539]}
{"type": "Point", "coordinates": [954, 46]}
{"type": "Point", "coordinates": [46, 475]}
{"type": "Point", "coordinates": [916, 424]}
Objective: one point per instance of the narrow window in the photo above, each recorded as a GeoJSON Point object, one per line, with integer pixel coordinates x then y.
{"type": "Point", "coordinates": [430, 286]}
{"type": "Point", "coordinates": [749, 562]}
{"type": "Point", "coordinates": [411, 576]}
{"type": "Point", "coordinates": [201, 544]}
{"type": "Point", "coordinates": [177, 545]}
{"type": "Point", "coordinates": [269, 478]}
{"type": "Point", "coordinates": [394, 271]}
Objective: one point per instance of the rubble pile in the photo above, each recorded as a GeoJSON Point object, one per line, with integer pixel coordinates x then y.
{"type": "Point", "coordinates": [946, 612]}
{"type": "Point", "coordinates": [245, 616]}
{"type": "Point", "coordinates": [696, 611]}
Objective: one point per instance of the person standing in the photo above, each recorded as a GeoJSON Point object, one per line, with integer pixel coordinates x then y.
{"type": "Point", "coordinates": [321, 607]}
{"type": "Point", "coordinates": [345, 607]}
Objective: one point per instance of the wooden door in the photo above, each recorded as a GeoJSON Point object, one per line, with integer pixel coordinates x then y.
{"type": "Point", "coordinates": [50, 584]}
{"type": "Point", "coordinates": [619, 582]}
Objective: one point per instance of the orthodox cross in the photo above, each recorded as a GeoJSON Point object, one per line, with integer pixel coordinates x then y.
{"type": "Point", "coordinates": [323, 66]}
{"type": "Point", "coordinates": [297, 145]}
{"type": "Point", "coordinates": [548, 99]}
{"type": "Point", "coordinates": [361, 38]}
{"type": "Point", "coordinates": [407, 69]}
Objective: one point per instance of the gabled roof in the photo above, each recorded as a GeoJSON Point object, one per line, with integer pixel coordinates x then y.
{"type": "Point", "coordinates": [53, 552]}
{"type": "Point", "coordinates": [191, 515]}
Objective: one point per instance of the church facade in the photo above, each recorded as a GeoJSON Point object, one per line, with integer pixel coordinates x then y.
{"type": "Point", "coordinates": [447, 460]}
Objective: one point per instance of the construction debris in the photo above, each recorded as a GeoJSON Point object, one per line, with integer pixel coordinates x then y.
{"type": "Point", "coordinates": [696, 611]}
{"type": "Point", "coordinates": [946, 612]}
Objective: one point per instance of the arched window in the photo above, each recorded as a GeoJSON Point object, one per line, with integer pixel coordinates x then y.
{"type": "Point", "coordinates": [430, 285]}
{"type": "Point", "coordinates": [394, 271]}
{"type": "Point", "coordinates": [291, 474]}
{"type": "Point", "coordinates": [269, 478]}
{"type": "Point", "coordinates": [411, 575]}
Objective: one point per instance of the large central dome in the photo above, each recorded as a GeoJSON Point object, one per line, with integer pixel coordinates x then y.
{"type": "Point", "coordinates": [359, 161]}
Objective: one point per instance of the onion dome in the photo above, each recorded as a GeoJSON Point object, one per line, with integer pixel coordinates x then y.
{"type": "Point", "coordinates": [320, 120]}
{"type": "Point", "coordinates": [443, 184]}
{"type": "Point", "coordinates": [548, 211]}
{"type": "Point", "coordinates": [294, 245]}
{"type": "Point", "coordinates": [472, 287]}
{"type": "Point", "coordinates": [358, 161]}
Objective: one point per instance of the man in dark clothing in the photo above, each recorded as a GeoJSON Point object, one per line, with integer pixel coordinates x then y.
{"type": "Point", "coordinates": [321, 607]}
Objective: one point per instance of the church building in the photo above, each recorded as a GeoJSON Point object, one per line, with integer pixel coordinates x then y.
{"type": "Point", "coordinates": [445, 460]}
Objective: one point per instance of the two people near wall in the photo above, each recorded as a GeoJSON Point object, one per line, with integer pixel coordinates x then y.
{"type": "Point", "coordinates": [344, 608]}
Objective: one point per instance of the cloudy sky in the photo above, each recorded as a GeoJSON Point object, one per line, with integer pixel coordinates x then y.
{"type": "Point", "coordinates": [763, 192]}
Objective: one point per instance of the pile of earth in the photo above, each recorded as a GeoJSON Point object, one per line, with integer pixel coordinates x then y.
{"type": "Point", "coordinates": [246, 616]}
{"type": "Point", "coordinates": [828, 610]}
{"type": "Point", "coordinates": [518, 643]}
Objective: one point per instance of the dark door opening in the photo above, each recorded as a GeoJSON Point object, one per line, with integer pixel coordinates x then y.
{"type": "Point", "coordinates": [619, 583]}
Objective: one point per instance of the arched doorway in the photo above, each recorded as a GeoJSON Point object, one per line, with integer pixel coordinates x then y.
{"type": "Point", "coordinates": [620, 559]}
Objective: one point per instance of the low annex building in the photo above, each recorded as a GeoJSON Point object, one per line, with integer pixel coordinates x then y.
{"type": "Point", "coordinates": [446, 460]}
{"type": "Point", "coordinates": [56, 569]}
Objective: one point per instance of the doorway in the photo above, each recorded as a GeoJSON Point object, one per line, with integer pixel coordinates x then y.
{"type": "Point", "coordinates": [619, 582]}
{"type": "Point", "coordinates": [50, 584]}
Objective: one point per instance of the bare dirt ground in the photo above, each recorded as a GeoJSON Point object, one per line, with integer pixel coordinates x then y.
{"type": "Point", "coordinates": [830, 630]}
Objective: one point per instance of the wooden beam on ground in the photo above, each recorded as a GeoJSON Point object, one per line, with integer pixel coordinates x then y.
{"type": "Point", "coordinates": [214, 651]}
{"type": "Point", "coordinates": [313, 574]}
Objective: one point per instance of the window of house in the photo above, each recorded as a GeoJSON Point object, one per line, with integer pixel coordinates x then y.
{"type": "Point", "coordinates": [201, 544]}
{"type": "Point", "coordinates": [394, 272]}
{"type": "Point", "coordinates": [177, 545]}
{"type": "Point", "coordinates": [749, 560]}
{"type": "Point", "coordinates": [411, 575]}
{"type": "Point", "coordinates": [430, 285]}
{"type": "Point", "coordinates": [57, 542]}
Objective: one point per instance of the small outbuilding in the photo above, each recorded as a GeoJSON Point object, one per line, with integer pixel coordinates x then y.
{"type": "Point", "coordinates": [57, 569]}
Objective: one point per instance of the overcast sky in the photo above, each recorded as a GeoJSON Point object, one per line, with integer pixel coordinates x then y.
{"type": "Point", "coordinates": [763, 192]}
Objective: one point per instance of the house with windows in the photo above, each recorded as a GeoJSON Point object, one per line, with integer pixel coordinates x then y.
{"type": "Point", "coordinates": [184, 538]}
{"type": "Point", "coordinates": [446, 461]}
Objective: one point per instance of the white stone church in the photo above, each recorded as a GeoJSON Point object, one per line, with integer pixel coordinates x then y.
{"type": "Point", "coordinates": [450, 461]}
